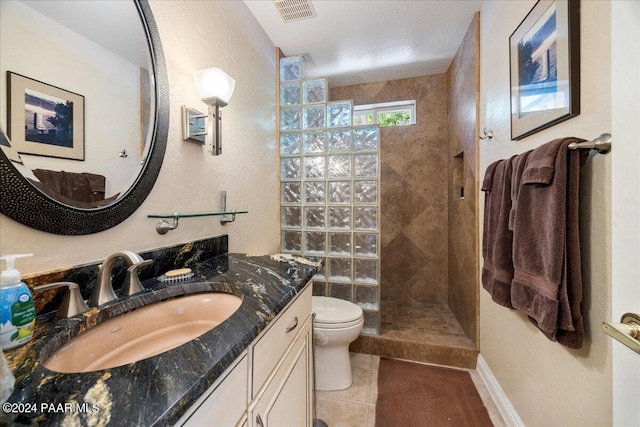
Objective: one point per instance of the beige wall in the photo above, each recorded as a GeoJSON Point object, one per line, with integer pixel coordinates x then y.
{"type": "Point", "coordinates": [195, 35]}
{"type": "Point", "coordinates": [413, 189]}
{"type": "Point", "coordinates": [463, 84]}
{"type": "Point", "coordinates": [547, 383]}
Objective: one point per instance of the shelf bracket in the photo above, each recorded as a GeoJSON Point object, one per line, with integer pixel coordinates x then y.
{"type": "Point", "coordinates": [225, 219]}
{"type": "Point", "coordinates": [163, 227]}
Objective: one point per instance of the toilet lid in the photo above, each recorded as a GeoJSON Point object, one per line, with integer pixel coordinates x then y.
{"type": "Point", "coordinates": [334, 310]}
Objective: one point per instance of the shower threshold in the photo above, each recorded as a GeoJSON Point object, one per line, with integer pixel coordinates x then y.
{"type": "Point", "coordinates": [420, 332]}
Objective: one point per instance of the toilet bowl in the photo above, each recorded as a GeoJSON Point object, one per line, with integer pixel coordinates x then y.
{"type": "Point", "coordinates": [337, 323]}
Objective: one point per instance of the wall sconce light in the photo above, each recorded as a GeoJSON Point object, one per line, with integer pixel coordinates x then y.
{"type": "Point", "coordinates": [215, 88]}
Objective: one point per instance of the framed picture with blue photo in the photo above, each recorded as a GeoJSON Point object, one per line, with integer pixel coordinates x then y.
{"type": "Point", "coordinates": [44, 120]}
{"type": "Point", "coordinates": [544, 56]}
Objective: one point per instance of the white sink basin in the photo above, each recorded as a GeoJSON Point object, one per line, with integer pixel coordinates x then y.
{"type": "Point", "coordinates": [143, 333]}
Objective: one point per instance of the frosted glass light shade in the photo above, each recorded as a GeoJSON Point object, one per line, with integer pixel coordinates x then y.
{"type": "Point", "coordinates": [214, 85]}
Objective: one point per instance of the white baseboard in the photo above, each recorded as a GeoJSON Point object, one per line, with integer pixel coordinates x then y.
{"type": "Point", "coordinates": [507, 411]}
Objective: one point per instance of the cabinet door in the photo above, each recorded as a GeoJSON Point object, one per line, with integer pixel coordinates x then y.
{"type": "Point", "coordinates": [287, 398]}
{"type": "Point", "coordinates": [280, 334]}
{"type": "Point", "coordinates": [224, 404]}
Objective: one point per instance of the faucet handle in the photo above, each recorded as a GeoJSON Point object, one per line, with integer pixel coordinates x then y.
{"type": "Point", "coordinates": [132, 283]}
{"type": "Point", "coordinates": [72, 304]}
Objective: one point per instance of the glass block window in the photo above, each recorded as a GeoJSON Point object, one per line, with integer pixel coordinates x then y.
{"type": "Point", "coordinates": [340, 243]}
{"type": "Point", "coordinates": [290, 168]}
{"type": "Point", "coordinates": [314, 117]}
{"type": "Point", "coordinates": [365, 218]}
{"type": "Point", "coordinates": [314, 167]}
{"type": "Point", "coordinates": [291, 68]}
{"type": "Point", "coordinates": [339, 269]}
{"type": "Point", "coordinates": [339, 140]}
{"type": "Point", "coordinates": [339, 217]}
{"type": "Point", "coordinates": [330, 179]}
{"type": "Point", "coordinates": [290, 143]}
{"type": "Point", "coordinates": [339, 114]}
{"type": "Point", "coordinates": [290, 118]}
{"type": "Point", "coordinates": [365, 244]}
{"type": "Point", "coordinates": [365, 165]}
{"type": "Point", "coordinates": [315, 141]}
{"type": "Point", "coordinates": [366, 296]}
{"type": "Point", "coordinates": [365, 138]}
{"type": "Point", "coordinates": [340, 290]}
{"type": "Point", "coordinates": [291, 192]}
{"type": "Point", "coordinates": [339, 166]}
{"type": "Point", "coordinates": [365, 192]}
{"type": "Point", "coordinates": [290, 94]}
{"type": "Point", "coordinates": [291, 241]}
{"type": "Point", "coordinates": [315, 91]}
{"type": "Point", "coordinates": [291, 216]}
{"type": "Point", "coordinates": [314, 217]}
{"type": "Point", "coordinates": [340, 192]}
{"type": "Point", "coordinates": [315, 241]}
{"type": "Point", "coordinates": [314, 192]}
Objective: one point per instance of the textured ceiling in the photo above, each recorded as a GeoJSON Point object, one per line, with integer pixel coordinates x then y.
{"type": "Point", "coordinates": [364, 41]}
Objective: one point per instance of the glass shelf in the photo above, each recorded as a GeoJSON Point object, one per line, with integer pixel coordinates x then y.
{"type": "Point", "coordinates": [194, 215]}
{"type": "Point", "coordinates": [163, 227]}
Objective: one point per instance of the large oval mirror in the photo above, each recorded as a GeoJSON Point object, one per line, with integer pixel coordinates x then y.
{"type": "Point", "coordinates": [86, 106]}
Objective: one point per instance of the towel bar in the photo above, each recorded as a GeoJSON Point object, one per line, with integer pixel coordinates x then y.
{"type": "Point", "coordinates": [602, 144]}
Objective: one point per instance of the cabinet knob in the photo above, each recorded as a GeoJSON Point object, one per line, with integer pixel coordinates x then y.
{"type": "Point", "coordinates": [295, 325]}
{"type": "Point", "coordinates": [259, 421]}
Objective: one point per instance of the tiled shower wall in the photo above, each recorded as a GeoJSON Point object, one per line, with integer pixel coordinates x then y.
{"type": "Point", "coordinates": [413, 185]}
{"type": "Point", "coordinates": [329, 195]}
{"type": "Point", "coordinates": [464, 91]}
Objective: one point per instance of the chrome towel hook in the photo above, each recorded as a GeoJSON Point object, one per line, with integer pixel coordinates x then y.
{"type": "Point", "coordinates": [486, 133]}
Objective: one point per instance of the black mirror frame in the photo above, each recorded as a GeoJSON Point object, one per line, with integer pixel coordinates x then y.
{"type": "Point", "coordinates": [23, 202]}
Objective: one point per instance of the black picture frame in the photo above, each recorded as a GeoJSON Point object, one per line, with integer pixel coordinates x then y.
{"type": "Point", "coordinates": [544, 59]}
{"type": "Point", "coordinates": [44, 120]}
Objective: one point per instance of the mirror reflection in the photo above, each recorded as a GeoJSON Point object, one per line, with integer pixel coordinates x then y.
{"type": "Point", "coordinates": [78, 96]}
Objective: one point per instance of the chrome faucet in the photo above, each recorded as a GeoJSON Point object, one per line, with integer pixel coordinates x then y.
{"type": "Point", "coordinates": [103, 291]}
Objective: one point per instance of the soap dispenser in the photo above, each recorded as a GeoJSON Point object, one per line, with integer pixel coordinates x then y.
{"type": "Point", "coordinates": [17, 311]}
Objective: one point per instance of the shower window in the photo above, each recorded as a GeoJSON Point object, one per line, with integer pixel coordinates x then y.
{"type": "Point", "coordinates": [386, 114]}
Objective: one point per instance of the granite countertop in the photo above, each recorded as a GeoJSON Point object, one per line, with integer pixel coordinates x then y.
{"type": "Point", "coordinates": [156, 391]}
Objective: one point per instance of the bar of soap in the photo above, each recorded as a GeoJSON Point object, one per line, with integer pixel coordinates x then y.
{"type": "Point", "coordinates": [178, 272]}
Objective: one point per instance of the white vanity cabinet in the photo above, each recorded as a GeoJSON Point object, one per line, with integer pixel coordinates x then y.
{"type": "Point", "coordinates": [286, 398]}
{"type": "Point", "coordinates": [271, 383]}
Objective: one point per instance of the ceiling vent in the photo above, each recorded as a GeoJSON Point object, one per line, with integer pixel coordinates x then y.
{"type": "Point", "coordinates": [294, 10]}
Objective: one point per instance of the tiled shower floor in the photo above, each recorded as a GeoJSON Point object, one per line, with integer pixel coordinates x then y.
{"type": "Point", "coordinates": [423, 322]}
{"type": "Point", "coordinates": [421, 332]}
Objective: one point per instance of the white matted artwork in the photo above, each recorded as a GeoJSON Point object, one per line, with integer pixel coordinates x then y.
{"type": "Point", "coordinates": [44, 120]}
{"type": "Point", "coordinates": [545, 67]}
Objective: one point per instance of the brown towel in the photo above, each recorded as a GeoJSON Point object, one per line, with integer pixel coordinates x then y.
{"type": "Point", "coordinates": [547, 283]}
{"type": "Point", "coordinates": [519, 164]}
{"type": "Point", "coordinates": [497, 272]}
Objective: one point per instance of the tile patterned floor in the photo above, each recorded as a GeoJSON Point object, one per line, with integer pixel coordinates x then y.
{"type": "Point", "coordinates": [356, 406]}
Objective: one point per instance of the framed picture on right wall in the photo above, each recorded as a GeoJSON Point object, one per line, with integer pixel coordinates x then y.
{"type": "Point", "coordinates": [544, 59]}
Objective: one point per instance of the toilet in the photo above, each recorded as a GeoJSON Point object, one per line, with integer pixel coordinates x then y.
{"type": "Point", "coordinates": [337, 324]}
